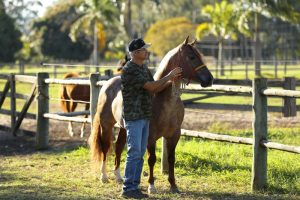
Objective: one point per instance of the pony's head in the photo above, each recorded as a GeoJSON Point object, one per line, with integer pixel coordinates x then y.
{"type": "Point", "coordinates": [192, 64]}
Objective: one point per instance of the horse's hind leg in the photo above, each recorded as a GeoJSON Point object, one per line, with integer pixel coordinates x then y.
{"type": "Point", "coordinates": [171, 145]}
{"type": "Point", "coordinates": [121, 141]}
{"type": "Point", "coordinates": [71, 107]}
{"type": "Point", "coordinates": [87, 106]}
{"type": "Point", "coordinates": [151, 162]}
{"type": "Point", "coordinates": [105, 142]}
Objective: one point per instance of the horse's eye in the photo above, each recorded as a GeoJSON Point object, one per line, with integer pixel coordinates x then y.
{"type": "Point", "coordinates": [192, 57]}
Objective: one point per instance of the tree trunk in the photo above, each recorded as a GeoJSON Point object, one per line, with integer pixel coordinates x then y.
{"type": "Point", "coordinates": [220, 57]}
{"type": "Point", "coordinates": [127, 19]}
{"type": "Point", "coordinates": [257, 47]}
{"type": "Point", "coordinates": [95, 50]}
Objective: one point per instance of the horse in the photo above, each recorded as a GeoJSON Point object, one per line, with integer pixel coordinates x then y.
{"type": "Point", "coordinates": [167, 113]}
{"type": "Point", "coordinates": [70, 95]}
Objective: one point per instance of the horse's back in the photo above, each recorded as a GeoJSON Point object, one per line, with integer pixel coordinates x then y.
{"type": "Point", "coordinates": [110, 101]}
{"type": "Point", "coordinates": [75, 92]}
{"type": "Point", "coordinates": [71, 75]}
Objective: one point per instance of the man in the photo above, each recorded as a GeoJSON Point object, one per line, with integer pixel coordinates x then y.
{"type": "Point", "coordinates": [137, 87]}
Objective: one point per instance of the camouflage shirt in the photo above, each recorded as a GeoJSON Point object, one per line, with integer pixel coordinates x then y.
{"type": "Point", "coordinates": [137, 102]}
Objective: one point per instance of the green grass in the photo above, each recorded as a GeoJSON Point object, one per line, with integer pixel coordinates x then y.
{"type": "Point", "coordinates": [204, 170]}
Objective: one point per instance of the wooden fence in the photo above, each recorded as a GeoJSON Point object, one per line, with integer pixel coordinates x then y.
{"type": "Point", "coordinates": [259, 92]}
{"type": "Point", "coordinates": [288, 108]}
{"type": "Point", "coordinates": [17, 117]}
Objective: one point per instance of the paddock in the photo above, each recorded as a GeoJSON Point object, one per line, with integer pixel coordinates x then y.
{"type": "Point", "coordinates": [259, 92]}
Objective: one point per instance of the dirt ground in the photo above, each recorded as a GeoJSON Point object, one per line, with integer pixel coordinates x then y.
{"type": "Point", "coordinates": [194, 120]}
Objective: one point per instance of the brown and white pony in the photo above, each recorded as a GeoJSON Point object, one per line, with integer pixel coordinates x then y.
{"type": "Point", "coordinates": [69, 97]}
{"type": "Point", "coordinates": [167, 117]}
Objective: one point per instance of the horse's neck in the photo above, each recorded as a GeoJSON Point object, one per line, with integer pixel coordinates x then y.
{"type": "Point", "coordinates": [171, 93]}
{"type": "Point", "coordinates": [166, 64]}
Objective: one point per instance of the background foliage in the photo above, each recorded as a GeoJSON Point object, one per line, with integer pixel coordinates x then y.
{"type": "Point", "coordinates": [167, 34]}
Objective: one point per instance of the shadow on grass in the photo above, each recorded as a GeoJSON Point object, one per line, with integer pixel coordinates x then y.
{"type": "Point", "coordinates": [56, 193]}
{"type": "Point", "coordinates": [26, 145]}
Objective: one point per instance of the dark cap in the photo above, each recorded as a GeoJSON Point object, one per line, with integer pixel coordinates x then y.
{"type": "Point", "coordinates": [136, 44]}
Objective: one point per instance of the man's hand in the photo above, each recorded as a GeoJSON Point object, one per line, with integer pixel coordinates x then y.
{"type": "Point", "coordinates": [175, 74]}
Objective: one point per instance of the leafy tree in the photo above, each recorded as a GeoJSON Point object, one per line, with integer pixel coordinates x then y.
{"type": "Point", "coordinates": [51, 33]}
{"type": "Point", "coordinates": [9, 36]}
{"type": "Point", "coordinates": [167, 34]}
{"type": "Point", "coordinates": [222, 25]}
{"type": "Point", "coordinates": [22, 12]}
{"type": "Point", "coordinates": [252, 12]}
{"type": "Point", "coordinates": [93, 16]}
{"type": "Point", "coordinates": [139, 15]}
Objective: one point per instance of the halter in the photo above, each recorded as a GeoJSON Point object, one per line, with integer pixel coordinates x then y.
{"type": "Point", "coordinates": [193, 69]}
{"type": "Point", "coordinates": [199, 67]}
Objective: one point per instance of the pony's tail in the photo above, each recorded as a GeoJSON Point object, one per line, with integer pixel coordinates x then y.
{"type": "Point", "coordinates": [95, 143]}
{"type": "Point", "coordinates": [64, 96]}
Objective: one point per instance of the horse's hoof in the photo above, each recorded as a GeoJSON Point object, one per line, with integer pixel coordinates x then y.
{"type": "Point", "coordinates": [119, 178]}
{"type": "Point", "coordinates": [81, 135]}
{"type": "Point", "coordinates": [104, 179]}
{"type": "Point", "coordinates": [71, 134]}
{"type": "Point", "coordinates": [152, 189]}
{"type": "Point", "coordinates": [174, 189]}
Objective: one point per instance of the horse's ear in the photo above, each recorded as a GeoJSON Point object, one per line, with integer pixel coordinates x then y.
{"type": "Point", "coordinates": [193, 43]}
{"type": "Point", "coordinates": [127, 58]}
{"type": "Point", "coordinates": [186, 41]}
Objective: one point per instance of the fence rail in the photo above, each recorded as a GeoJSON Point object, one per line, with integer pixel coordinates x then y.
{"type": "Point", "coordinates": [229, 88]}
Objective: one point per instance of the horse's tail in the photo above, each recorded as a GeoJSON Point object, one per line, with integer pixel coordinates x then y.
{"type": "Point", "coordinates": [64, 96]}
{"type": "Point", "coordinates": [95, 142]}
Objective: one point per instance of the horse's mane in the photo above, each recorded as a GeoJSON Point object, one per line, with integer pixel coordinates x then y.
{"type": "Point", "coordinates": [164, 63]}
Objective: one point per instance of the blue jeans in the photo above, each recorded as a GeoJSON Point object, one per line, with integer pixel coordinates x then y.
{"type": "Point", "coordinates": [137, 139]}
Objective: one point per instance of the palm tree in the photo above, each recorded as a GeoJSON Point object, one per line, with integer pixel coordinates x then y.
{"type": "Point", "coordinates": [93, 16]}
{"type": "Point", "coordinates": [268, 8]}
{"type": "Point", "coordinates": [222, 25]}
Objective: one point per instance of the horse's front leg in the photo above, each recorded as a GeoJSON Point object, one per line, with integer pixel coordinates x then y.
{"type": "Point", "coordinates": [151, 163]}
{"type": "Point", "coordinates": [120, 143]}
{"type": "Point", "coordinates": [171, 145]}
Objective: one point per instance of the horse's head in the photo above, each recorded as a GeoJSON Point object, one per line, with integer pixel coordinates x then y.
{"type": "Point", "coordinates": [122, 62]}
{"type": "Point", "coordinates": [192, 64]}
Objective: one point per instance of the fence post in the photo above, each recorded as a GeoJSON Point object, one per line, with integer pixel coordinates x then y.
{"type": "Point", "coordinates": [42, 128]}
{"type": "Point", "coordinates": [289, 104]}
{"type": "Point", "coordinates": [164, 157]}
{"type": "Point", "coordinates": [246, 70]}
{"type": "Point", "coordinates": [12, 102]}
{"type": "Point", "coordinates": [21, 67]}
{"type": "Point", "coordinates": [276, 68]}
{"type": "Point", "coordinates": [55, 71]}
{"type": "Point", "coordinates": [109, 73]}
{"type": "Point", "coordinates": [94, 93]}
{"type": "Point", "coordinates": [260, 109]}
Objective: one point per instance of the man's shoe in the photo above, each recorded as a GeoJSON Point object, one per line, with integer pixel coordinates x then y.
{"type": "Point", "coordinates": [135, 194]}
